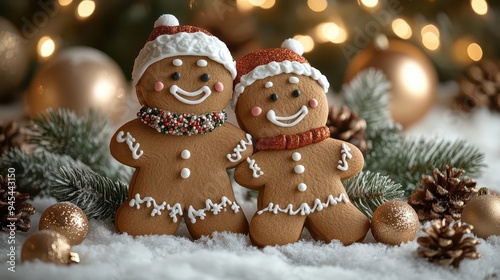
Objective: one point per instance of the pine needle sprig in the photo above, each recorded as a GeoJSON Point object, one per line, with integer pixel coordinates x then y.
{"type": "Point", "coordinates": [34, 171]}
{"type": "Point", "coordinates": [384, 141]}
{"type": "Point", "coordinates": [368, 190]}
{"type": "Point", "coordinates": [85, 138]}
{"type": "Point", "coordinates": [99, 197]}
{"type": "Point", "coordinates": [418, 157]}
{"type": "Point", "coordinates": [368, 95]}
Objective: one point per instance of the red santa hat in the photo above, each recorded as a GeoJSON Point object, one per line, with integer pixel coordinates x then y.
{"type": "Point", "coordinates": [261, 64]}
{"type": "Point", "coordinates": [168, 39]}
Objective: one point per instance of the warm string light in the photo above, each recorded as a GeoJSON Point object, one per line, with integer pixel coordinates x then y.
{"type": "Point", "coordinates": [369, 3]}
{"type": "Point", "coordinates": [46, 47]}
{"type": "Point", "coordinates": [466, 50]}
{"type": "Point", "coordinates": [317, 5]}
{"type": "Point", "coordinates": [306, 41]}
{"type": "Point", "coordinates": [256, 3]}
{"type": "Point", "coordinates": [480, 7]}
{"type": "Point", "coordinates": [244, 5]}
{"type": "Point", "coordinates": [474, 51]}
{"type": "Point", "coordinates": [268, 4]}
{"type": "Point", "coordinates": [86, 8]}
{"type": "Point", "coordinates": [401, 28]}
{"type": "Point", "coordinates": [65, 2]}
{"type": "Point", "coordinates": [330, 31]}
{"type": "Point", "coordinates": [430, 37]}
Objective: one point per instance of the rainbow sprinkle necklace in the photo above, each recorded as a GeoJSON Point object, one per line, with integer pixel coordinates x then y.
{"type": "Point", "coordinates": [181, 124]}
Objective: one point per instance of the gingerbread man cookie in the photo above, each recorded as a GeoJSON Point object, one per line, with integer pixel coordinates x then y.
{"type": "Point", "coordinates": [297, 168]}
{"type": "Point", "coordinates": [180, 144]}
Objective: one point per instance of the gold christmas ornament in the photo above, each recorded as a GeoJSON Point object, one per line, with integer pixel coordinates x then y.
{"type": "Point", "coordinates": [394, 222]}
{"type": "Point", "coordinates": [14, 58]}
{"type": "Point", "coordinates": [48, 246]}
{"type": "Point", "coordinates": [483, 212]}
{"type": "Point", "coordinates": [412, 76]}
{"type": "Point", "coordinates": [67, 219]}
{"type": "Point", "coordinates": [79, 78]}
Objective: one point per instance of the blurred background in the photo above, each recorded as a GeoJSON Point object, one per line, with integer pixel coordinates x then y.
{"type": "Point", "coordinates": [79, 53]}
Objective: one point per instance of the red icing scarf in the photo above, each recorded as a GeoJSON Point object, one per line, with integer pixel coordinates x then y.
{"type": "Point", "coordinates": [292, 141]}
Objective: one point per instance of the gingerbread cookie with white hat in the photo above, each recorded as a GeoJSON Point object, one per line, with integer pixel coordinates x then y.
{"type": "Point", "coordinates": [298, 169]}
{"type": "Point", "coordinates": [180, 144]}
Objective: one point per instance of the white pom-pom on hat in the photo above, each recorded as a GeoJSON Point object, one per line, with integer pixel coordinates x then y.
{"type": "Point", "coordinates": [166, 20]}
{"type": "Point", "coordinates": [293, 45]}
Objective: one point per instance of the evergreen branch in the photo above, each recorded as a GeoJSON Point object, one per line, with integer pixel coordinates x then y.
{"type": "Point", "coordinates": [368, 190]}
{"type": "Point", "coordinates": [385, 140]}
{"type": "Point", "coordinates": [83, 138]}
{"type": "Point", "coordinates": [34, 172]}
{"type": "Point", "coordinates": [99, 197]}
{"type": "Point", "coordinates": [368, 95]}
{"type": "Point", "coordinates": [418, 157]}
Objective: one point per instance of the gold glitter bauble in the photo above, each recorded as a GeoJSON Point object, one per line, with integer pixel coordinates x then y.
{"type": "Point", "coordinates": [79, 78]}
{"type": "Point", "coordinates": [412, 76]}
{"type": "Point", "coordinates": [395, 222]}
{"type": "Point", "coordinates": [48, 246]}
{"type": "Point", "coordinates": [14, 58]}
{"type": "Point", "coordinates": [66, 219]}
{"type": "Point", "coordinates": [483, 212]}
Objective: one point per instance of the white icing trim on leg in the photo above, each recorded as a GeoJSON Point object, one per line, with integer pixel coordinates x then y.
{"type": "Point", "coordinates": [213, 207]}
{"type": "Point", "coordinates": [176, 209]}
{"type": "Point", "coordinates": [305, 209]}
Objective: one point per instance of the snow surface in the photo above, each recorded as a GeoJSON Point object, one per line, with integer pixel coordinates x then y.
{"type": "Point", "coordinates": [107, 255]}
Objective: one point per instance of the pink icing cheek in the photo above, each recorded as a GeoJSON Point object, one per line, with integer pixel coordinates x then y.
{"type": "Point", "coordinates": [219, 87]}
{"type": "Point", "coordinates": [313, 103]}
{"type": "Point", "coordinates": [256, 111]}
{"type": "Point", "coordinates": [159, 86]}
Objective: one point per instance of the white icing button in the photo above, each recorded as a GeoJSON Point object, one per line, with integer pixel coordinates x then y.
{"type": "Point", "coordinates": [185, 173]}
{"type": "Point", "coordinates": [299, 169]}
{"type": "Point", "coordinates": [268, 84]}
{"type": "Point", "coordinates": [177, 62]}
{"type": "Point", "coordinates": [202, 63]}
{"type": "Point", "coordinates": [185, 154]}
{"type": "Point", "coordinates": [293, 80]}
{"type": "Point", "coordinates": [302, 187]}
{"type": "Point", "coordinates": [296, 156]}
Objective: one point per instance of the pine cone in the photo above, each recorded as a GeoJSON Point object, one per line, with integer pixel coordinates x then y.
{"type": "Point", "coordinates": [10, 136]}
{"type": "Point", "coordinates": [442, 196]}
{"type": "Point", "coordinates": [21, 212]}
{"type": "Point", "coordinates": [480, 87]}
{"type": "Point", "coordinates": [445, 243]}
{"type": "Point", "coordinates": [347, 126]}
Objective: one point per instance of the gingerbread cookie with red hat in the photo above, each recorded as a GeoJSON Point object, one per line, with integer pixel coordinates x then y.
{"type": "Point", "coordinates": [297, 168]}
{"type": "Point", "coordinates": [180, 144]}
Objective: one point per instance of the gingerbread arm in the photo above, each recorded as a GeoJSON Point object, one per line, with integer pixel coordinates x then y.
{"type": "Point", "coordinates": [249, 174]}
{"type": "Point", "coordinates": [241, 145]}
{"type": "Point", "coordinates": [350, 160]}
{"type": "Point", "coordinates": [126, 145]}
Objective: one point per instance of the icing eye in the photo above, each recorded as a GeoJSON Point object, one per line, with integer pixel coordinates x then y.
{"type": "Point", "coordinates": [176, 76]}
{"type": "Point", "coordinates": [205, 77]}
{"type": "Point", "coordinates": [273, 97]}
{"type": "Point", "coordinates": [296, 93]}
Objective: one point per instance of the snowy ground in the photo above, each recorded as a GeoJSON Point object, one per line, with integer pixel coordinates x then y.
{"type": "Point", "coordinates": [107, 255]}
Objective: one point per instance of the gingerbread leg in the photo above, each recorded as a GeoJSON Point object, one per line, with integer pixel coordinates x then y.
{"type": "Point", "coordinates": [135, 221]}
{"type": "Point", "coordinates": [275, 229]}
{"type": "Point", "coordinates": [225, 220]}
{"type": "Point", "coordinates": [342, 221]}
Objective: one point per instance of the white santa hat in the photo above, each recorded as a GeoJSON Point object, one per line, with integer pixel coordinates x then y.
{"type": "Point", "coordinates": [168, 39]}
{"type": "Point", "coordinates": [261, 64]}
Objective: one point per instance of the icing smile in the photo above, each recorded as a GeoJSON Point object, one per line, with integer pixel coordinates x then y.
{"type": "Point", "coordinates": [297, 117]}
{"type": "Point", "coordinates": [179, 93]}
